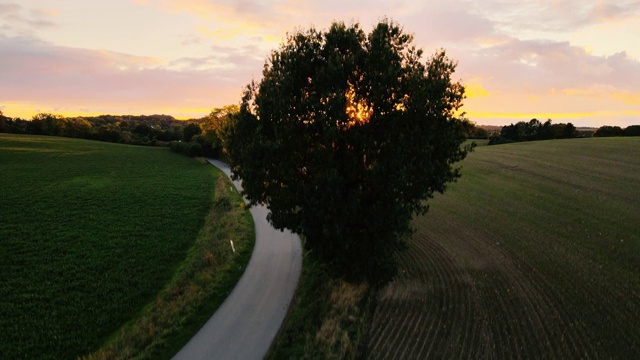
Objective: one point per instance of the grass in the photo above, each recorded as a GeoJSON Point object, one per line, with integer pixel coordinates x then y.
{"type": "Point", "coordinates": [535, 252]}
{"type": "Point", "coordinates": [203, 281]}
{"type": "Point", "coordinates": [92, 233]}
{"type": "Point", "coordinates": [327, 318]}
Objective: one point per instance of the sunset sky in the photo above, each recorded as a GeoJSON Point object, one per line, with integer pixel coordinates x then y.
{"type": "Point", "coordinates": [572, 61]}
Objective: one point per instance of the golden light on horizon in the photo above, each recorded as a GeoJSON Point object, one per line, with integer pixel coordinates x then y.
{"type": "Point", "coordinates": [26, 111]}
{"type": "Point", "coordinates": [559, 116]}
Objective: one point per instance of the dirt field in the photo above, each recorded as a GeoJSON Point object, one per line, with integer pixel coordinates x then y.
{"type": "Point", "coordinates": [534, 253]}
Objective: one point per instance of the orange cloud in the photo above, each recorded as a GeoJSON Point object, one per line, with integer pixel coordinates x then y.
{"type": "Point", "coordinates": [474, 89]}
{"type": "Point", "coordinates": [628, 98]}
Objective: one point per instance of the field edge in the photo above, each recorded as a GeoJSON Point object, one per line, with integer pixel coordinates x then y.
{"type": "Point", "coordinates": [199, 286]}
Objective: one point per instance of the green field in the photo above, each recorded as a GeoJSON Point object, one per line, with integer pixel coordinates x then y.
{"type": "Point", "coordinates": [90, 232]}
{"type": "Point", "coordinates": [534, 253]}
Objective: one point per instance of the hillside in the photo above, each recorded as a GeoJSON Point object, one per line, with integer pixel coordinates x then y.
{"type": "Point", "coordinates": [534, 253]}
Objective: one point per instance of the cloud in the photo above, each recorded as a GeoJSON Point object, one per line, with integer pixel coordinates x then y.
{"type": "Point", "coordinates": [38, 72]}
{"type": "Point", "coordinates": [551, 16]}
{"type": "Point", "coordinates": [524, 66]}
{"type": "Point", "coordinates": [236, 62]}
{"type": "Point", "coordinates": [475, 89]}
{"type": "Point", "coordinates": [18, 19]}
{"type": "Point", "coordinates": [628, 97]}
{"type": "Point", "coordinates": [551, 79]}
{"type": "Point", "coordinates": [9, 9]}
{"type": "Point", "coordinates": [508, 52]}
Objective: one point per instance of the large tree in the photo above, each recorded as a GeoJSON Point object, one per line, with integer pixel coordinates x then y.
{"type": "Point", "coordinates": [345, 137]}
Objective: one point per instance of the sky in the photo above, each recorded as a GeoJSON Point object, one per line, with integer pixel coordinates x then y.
{"type": "Point", "coordinates": [572, 61]}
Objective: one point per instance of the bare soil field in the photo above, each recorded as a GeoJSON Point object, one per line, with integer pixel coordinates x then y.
{"type": "Point", "coordinates": [534, 253]}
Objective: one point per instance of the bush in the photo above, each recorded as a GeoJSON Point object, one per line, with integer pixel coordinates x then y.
{"type": "Point", "coordinates": [606, 131]}
{"type": "Point", "coordinates": [633, 130]}
{"type": "Point", "coordinates": [191, 148]}
{"type": "Point", "coordinates": [194, 149]}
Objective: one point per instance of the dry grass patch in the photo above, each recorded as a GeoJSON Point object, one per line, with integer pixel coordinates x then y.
{"type": "Point", "coordinates": [335, 338]}
{"type": "Point", "coordinates": [327, 317]}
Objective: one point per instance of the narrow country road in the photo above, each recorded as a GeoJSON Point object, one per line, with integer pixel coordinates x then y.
{"type": "Point", "coordinates": [247, 322]}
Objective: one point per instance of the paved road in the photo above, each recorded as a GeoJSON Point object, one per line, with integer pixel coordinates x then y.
{"type": "Point", "coordinates": [247, 322]}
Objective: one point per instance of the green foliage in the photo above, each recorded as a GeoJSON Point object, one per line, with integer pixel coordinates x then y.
{"type": "Point", "coordinates": [633, 130]}
{"type": "Point", "coordinates": [217, 125]}
{"type": "Point", "coordinates": [476, 132]}
{"type": "Point", "coordinates": [190, 131]}
{"type": "Point", "coordinates": [191, 149]}
{"type": "Point", "coordinates": [129, 129]}
{"type": "Point", "coordinates": [90, 232]}
{"type": "Point", "coordinates": [533, 130]}
{"type": "Point", "coordinates": [606, 131]}
{"type": "Point", "coordinates": [345, 137]}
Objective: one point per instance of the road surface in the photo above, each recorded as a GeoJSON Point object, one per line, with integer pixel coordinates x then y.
{"type": "Point", "coordinates": [247, 322]}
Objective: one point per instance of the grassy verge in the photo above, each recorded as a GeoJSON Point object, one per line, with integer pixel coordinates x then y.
{"type": "Point", "coordinates": [327, 318]}
{"type": "Point", "coordinates": [203, 281]}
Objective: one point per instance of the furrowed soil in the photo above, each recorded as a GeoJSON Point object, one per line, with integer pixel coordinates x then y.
{"type": "Point", "coordinates": [533, 253]}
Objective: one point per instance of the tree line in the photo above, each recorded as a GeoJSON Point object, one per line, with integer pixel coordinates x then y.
{"type": "Point", "coordinates": [194, 137]}
{"type": "Point", "coordinates": [535, 130]}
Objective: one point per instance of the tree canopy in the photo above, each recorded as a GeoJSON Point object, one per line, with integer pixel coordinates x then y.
{"type": "Point", "coordinates": [345, 137]}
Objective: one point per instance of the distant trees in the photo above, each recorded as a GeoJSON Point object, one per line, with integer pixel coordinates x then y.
{"type": "Point", "coordinates": [478, 133]}
{"type": "Point", "coordinates": [195, 137]}
{"type": "Point", "coordinates": [533, 130]}
{"type": "Point", "coordinates": [605, 131]}
{"type": "Point", "coordinates": [190, 131]}
{"type": "Point", "coordinates": [77, 127]}
{"type": "Point", "coordinates": [3, 122]}
{"type": "Point", "coordinates": [633, 130]}
{"type": "Point", "coordinates": [216, 128]}
{"type": "Point", "coordinates": [472, 131]}
{"type": "Point", "coordinates": [208, 136]}
{"type": "Point", "coordinates": [569, 131]}
{"type": "Point", "coordinates": [129, 129]}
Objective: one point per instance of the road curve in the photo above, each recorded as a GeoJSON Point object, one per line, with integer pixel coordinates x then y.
{"type": "Point", "coordinates": [247, 322]}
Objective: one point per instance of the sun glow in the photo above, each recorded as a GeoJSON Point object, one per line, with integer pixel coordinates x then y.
{"type": "Point", "coordinates": [358, 111]}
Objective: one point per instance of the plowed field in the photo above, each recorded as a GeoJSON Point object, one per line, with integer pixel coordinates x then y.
{"type": "Point", "coordinates": [534, 253]}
